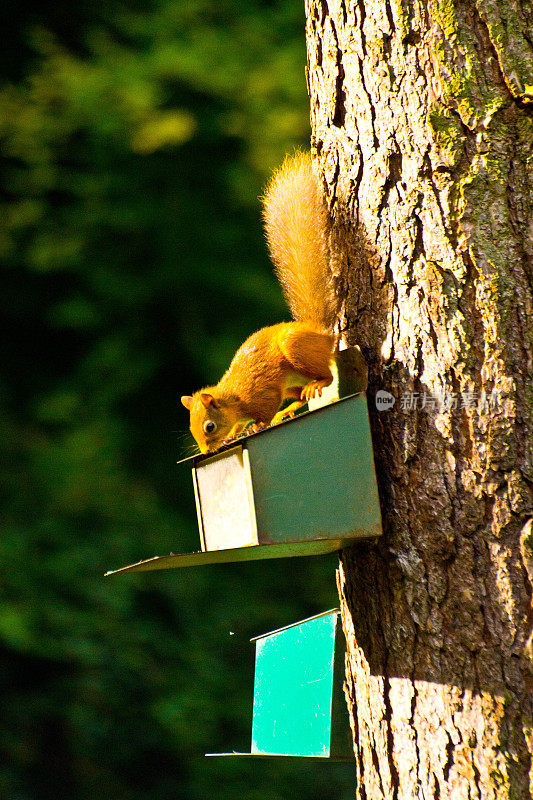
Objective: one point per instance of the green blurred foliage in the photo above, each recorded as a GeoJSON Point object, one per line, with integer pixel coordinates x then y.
{"type": "Point", "coordinates": [136, 137]}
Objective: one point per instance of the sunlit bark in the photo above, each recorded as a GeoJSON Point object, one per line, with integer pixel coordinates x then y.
{"type": "Point", "coordinates": [423, 130]}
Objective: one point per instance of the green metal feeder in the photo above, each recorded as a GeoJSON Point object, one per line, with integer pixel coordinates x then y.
{"type": "Point", "coordinates": [303, 487]}
{"type": "Point", "coordinates": [299, 709]}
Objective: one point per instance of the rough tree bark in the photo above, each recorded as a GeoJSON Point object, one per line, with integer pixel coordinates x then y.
{"type": "Point", "coordinates": [422, 128]}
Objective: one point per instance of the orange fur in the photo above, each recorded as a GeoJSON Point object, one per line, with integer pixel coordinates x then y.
{"type": "Point", "coordinates": [296, 225]}
{"type": "Point", "coordinates": [291, 359]}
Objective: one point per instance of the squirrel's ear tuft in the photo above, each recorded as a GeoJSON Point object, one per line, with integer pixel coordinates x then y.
{"type": "Point", "coordinates": [187, 401]}
{"type": "Point", "coordinates": [208, 400]}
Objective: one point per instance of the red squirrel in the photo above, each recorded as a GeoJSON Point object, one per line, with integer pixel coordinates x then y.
{"type": "Point", "coordinates": [290, 360]}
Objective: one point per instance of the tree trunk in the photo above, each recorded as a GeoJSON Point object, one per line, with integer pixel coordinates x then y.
{"type": "Point", "coordinates": [422, 127]}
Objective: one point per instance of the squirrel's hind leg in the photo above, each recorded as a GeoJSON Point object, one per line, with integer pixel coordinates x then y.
{"type": "Point", "coordinates": [309, 352]}
{"type": "Point", "coordinates": [313, 388]}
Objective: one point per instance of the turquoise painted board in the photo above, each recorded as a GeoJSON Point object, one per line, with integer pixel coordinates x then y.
{"type": "Point", "coordinates": [299, 708]}
{"type": "Point", "coordinates": [297, 685]}
{"type": "Point", "coordinates": [292, 690]}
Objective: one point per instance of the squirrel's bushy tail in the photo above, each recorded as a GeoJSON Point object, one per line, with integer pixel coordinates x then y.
{"type": "Point", "coordinates": [297, 225]}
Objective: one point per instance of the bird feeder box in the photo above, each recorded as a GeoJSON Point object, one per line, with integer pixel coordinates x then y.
{"type": "Point", "coordinates": [303, 487]}
{"type": "Point", "coordinates": [299, 709]}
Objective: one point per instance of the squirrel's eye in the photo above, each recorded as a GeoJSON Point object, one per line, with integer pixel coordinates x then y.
{"type": "Point", "coordinates": [210, 426]}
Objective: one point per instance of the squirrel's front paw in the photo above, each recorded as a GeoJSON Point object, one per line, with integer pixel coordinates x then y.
{"type": "Point", "coordinates": [287, 413]}
{"type": "Point", "coordinates": [233, 433]}
{"type": "Point", "coordinates": [255, 427]}
{"type": "Point", "coordinates": [280, 416]}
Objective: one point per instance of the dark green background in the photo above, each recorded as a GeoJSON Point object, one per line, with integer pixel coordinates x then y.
{"type": "Point", "coordinates": [136, 138]}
